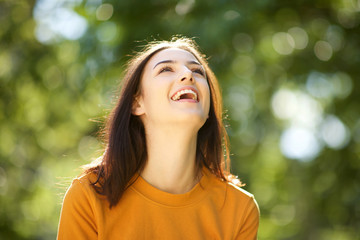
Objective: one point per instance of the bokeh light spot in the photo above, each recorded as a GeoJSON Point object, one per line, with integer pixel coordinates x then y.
{"type": "Point", "coordinates": [104, 12]}
{"type": "Point", "coordinates": [107, 32]}
{"type": "Point", "coordinates": [267, 50]}
{"type": "Point", "coordinates": [297, 107]}
{"type": "Point", "coordinates": [299, 143]}
{"type": "Point", "coordinates": [241, 101]}
{"type": "Point", "coordinates": [335, 37]}
{"type": "Point", "coordinates": [328, 86]}
{"type": "Point", "coordinates": [323, 50]}
{"type": "Point", "coordinates": [334, 133]}
{"type": "Point", "coordinates": [342, 84]}
{"type": "Point", "coordinates": [318, 85]}
{"type": "Point", "coordinates": [184, 6]}
{"type": "Point", "coordinates": [283, 104]}
{"type": "Point", "coordinates": [231, 15]}
{"type": "Point", "coordinates": [283, 43]}
{"type": "Point", "coordinates": [300, 37]}
{"type": "Point", "coordinates": [282, 214]}
{"type": "Point", "coordinates": [57, 19]}
{"type": "Point", "coordinates": [243, 42]}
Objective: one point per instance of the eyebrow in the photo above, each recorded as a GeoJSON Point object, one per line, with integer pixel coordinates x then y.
{"type": "Point", "coordinates": [171, 61]}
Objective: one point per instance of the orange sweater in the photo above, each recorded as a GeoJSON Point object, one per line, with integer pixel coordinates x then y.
{"type": "Point", "coordinates": [213, 209]}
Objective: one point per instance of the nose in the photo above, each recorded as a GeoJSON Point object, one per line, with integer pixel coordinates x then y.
{"type": "Point", "coordinates": [186, 76]}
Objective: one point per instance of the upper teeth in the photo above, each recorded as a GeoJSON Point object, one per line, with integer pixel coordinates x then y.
{"type": "Point", "coordinates": [178, 94]}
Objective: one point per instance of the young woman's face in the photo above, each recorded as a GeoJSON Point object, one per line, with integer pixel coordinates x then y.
{"type": "Point", "coordinates": [174, 89]}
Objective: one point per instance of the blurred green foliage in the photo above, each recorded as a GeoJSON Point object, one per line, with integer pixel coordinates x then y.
{"type": "Point", "coordinates": [289, 72]}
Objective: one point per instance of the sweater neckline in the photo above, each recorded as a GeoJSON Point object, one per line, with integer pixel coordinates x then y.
{"type": "Point", "coordinates": [157, 196]}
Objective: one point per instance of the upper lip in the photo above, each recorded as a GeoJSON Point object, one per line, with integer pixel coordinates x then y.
{"type": "Point", "coordinates": [186, 88]}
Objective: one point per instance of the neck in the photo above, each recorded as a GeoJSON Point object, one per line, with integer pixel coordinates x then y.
{"type": "Point", "coordinates": [170, 166]}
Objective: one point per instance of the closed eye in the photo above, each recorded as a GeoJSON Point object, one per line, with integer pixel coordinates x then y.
{"type": "Point", "coordinates": [165, 69]}
{"type": "Point", "coordinates": [199, 71]}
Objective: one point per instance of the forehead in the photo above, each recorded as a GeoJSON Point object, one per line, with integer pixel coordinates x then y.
{"type": "Point", "coordinates": [174, 54]}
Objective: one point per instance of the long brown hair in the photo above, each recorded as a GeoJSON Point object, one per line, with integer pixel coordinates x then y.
{"type": "Point", "coordinates": [126, 153]}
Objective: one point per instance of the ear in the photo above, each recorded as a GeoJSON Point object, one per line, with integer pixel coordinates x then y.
{"type": "Point", "coordinates": [138, 106]}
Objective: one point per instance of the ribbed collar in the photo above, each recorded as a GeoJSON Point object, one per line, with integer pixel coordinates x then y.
{"type": "Point", "coordinates": [152, 194]}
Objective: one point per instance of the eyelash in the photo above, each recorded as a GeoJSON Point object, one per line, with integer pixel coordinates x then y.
{"type": "Point", "coordinates": [165, 69]}
{"type": "Point", "coordinates": [195, 70]}
{"type": "Point", "coordinates": [199, 71]}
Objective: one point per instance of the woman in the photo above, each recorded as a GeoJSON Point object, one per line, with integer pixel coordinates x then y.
{"type": "Point", "coordinates": [162, 174]}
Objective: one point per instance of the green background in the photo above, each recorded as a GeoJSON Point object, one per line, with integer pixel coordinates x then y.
{"type": "Point", "coordinates": [289, 73]}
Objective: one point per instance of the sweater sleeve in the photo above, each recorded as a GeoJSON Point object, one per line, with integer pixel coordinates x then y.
{"type": "Point", "coordinates": [77, 219]}
{"type": "Point", "coordinates": [250, 223]}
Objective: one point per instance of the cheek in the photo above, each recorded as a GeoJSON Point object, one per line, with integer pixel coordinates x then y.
{"type": "Point", "coordinates": [206, 91]}
{"type": "Point", "coordinates": [155, 96]}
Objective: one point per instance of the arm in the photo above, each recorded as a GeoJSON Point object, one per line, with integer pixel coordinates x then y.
{"type": "Point", "coordinates": [250, 223]}
{"type": "Point", "coordinates": [77, 219]}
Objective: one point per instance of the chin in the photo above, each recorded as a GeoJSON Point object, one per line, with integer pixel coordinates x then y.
{"type": "Point", "coordinates": [191, 119]}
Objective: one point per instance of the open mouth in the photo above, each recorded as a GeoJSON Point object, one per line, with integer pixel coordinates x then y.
{"type": "Point", "coordinates": [185, 94]}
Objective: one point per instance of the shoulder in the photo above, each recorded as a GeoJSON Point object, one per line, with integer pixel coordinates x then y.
{"type": "Point", "coordinates": [81, 190]}
{"type": "Point", "coordinates": [238, 205]}
{"type": "Point", "coordinates": [78, 213]}
{"type": "Point", "coordinates": [247, 207]}
{"type": "Point", "coordinates": [244, 205]}
{"type": "Point", "coordinates": [238, 192]}
{"type": "Point", "coordinates": [229, 189]}
{"type": "Point", "coordinates": [243, 199]}
{"type": "Point", "coordinates": [233, 196]}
